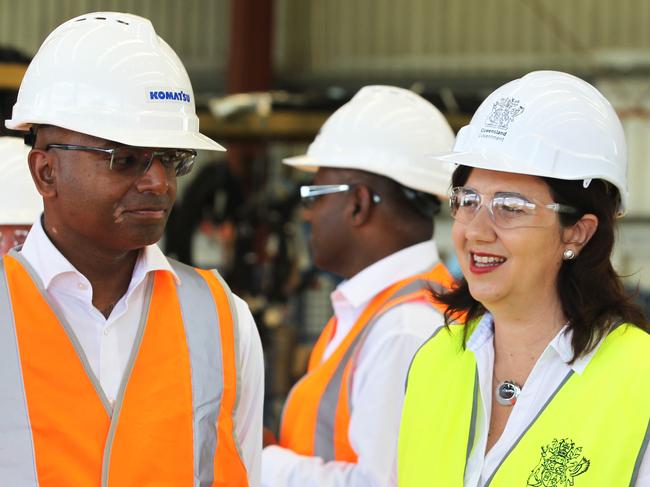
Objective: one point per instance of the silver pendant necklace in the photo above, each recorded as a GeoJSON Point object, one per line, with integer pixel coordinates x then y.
{"type": "Point", "coordinates": [507, 392]}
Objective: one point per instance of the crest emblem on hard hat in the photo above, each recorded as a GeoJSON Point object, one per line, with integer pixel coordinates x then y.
{"type": "Point", "coordinates": [561, 463]}
{"type": "Point", "coordinates": [504, 112]}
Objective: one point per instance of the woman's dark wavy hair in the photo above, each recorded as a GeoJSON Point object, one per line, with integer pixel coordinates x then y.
{"type": "Point", "coordinates": [591, 292]}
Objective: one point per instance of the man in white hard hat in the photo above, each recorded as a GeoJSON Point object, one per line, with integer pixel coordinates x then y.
{"type": "Point", "coordinates": [20, 204]}
{"type": "Point", "coordinates": [371, 209]}
{"type": "Point", "coordinates": [120, 367]}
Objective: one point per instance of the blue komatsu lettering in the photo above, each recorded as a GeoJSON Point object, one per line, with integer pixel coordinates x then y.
{"type": "Point", "coordinates": [169, 95]}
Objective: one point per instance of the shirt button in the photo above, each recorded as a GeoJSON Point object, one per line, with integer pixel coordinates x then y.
{"type": "Point", "coordinates": [107, 330]}
{"type": "Point", "coordinates": [82, 286]}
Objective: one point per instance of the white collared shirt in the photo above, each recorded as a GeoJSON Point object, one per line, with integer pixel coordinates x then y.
{"type": "Point", "coordinates": [549, 371]}
{"type": "Point", "coordinates": [107, 342]}
{"type": "Point", "coordinates": [377, 381]}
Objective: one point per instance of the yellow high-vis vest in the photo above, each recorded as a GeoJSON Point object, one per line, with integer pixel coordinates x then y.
{"type": "Point", "coordinates": [593, 432]}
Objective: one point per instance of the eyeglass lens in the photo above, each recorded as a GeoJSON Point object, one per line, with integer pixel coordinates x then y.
{"type": "Point", "coordinates": [507, 210]}
{"type": "Point", "coordinates": [135, 160]}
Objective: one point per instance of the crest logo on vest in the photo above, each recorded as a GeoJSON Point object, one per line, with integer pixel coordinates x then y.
{"type": "Point", "coordinates": [560, 463]}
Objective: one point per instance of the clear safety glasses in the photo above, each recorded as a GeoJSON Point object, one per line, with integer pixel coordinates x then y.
{"type": "Point", "coordinates": [507, 210]}
{"type": "Point", "coordinates": [134, 161]}
{"type": "Point", "coordinates": [309, 194]}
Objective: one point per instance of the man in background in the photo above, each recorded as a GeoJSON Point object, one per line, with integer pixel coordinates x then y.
{"type": "Point", "coordinates": [20, 203]}
{"type": "Point", "coordinates": [371, 208]}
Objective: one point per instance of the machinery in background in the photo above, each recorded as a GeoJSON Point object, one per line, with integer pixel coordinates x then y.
{"type": "Point", "coordinates": [252, 233]}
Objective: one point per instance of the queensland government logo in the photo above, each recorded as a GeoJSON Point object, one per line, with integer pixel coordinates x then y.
{"type": "Point", "coordinates": [503, 114]}
{"type": "Point", "coordinates": [561, 463]}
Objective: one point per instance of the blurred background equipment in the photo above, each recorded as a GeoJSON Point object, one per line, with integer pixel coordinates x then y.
{"type": "Point", "coordinates": [268, 73]}
{"type": "Point", "coordinates": [20, 203]}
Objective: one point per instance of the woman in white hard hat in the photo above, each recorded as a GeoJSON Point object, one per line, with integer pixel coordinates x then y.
{"type": "Point", "coordinates": [20, 203]}
{"type": "Point", "coordinates": [546, 380]}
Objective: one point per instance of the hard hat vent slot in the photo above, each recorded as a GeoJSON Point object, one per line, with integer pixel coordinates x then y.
{"type": "Point", "coordinates": [100, 18]}
{"type": "Point", "coordinates": [122, 22]}
{"type": "Point", "coordinates": [80, 20]}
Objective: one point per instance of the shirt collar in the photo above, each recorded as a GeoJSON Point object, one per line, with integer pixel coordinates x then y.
{"type": "Point", "coordinates": [560, 345]}
{"type": "Point", "coordinates": [375, 278]}
{"type": "Point", "coordinates": [48, 262]}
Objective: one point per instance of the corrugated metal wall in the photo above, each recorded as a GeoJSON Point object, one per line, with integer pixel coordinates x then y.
{"type": "Point", "coordinates": [631, 98]}
{"type": "Point", "coordinates": [370, 38]}
{"type": "Point", "coordinates": [196, 29]}
{"type": "Point", "coordinates": [454, 38]}
{"type": "Point", "coordinates": [383, 37]}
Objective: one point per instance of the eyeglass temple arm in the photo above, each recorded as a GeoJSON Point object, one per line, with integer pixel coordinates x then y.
{"type": "Point", "coordinates": [309, 191]}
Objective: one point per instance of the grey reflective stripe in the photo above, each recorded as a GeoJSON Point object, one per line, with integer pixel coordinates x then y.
{"type": "Point", "coordinates": [125, 379]}
{"type": "Point", "coordinates": [416, 285]}
{"type": "Point", "coordinates": [17, 461]}
{"type": "Point", "coordinates": [201, 322]}
{"type": "Point", "coordinates": [68, 330]}
{"type": "Point", "coordinates": [472, 423]}
{"type": "Point", "coordinates": [514, 445]}
{"type": "Point", "coordinates": [639, 458]}
{"type": "Point", "coordinates": [324, 436]}
{"type": "Point", "coordinates": [238, 376]}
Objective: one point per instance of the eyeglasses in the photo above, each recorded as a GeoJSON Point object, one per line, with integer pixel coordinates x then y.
{"type": "Point", "coordinates": [310, 194]}
{"type": "Point", "coordinates": [134, 161]}
{"type": "Point", "coordinates": [507, 210]}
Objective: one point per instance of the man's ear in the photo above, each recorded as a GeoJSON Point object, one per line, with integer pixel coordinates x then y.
{"type": "Point", "coordinates": [43, 168]}
{"type": "Point", "coordinates": [579, 234]}
{"type": "Point", "coordinates": [360, 204]}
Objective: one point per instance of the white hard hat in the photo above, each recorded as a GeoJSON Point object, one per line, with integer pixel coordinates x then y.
{"type": "Point", "coordinates": [109, 75]}
{"type": "Point", "coordinates": [388, 131]}
{"type": "Point", "coordinates": [548, 124]}
{"type": "Point", "coordinates": [20, 203]}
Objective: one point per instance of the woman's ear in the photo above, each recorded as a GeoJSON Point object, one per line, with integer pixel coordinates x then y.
{"type": "Point", "coordinates": [42, 167]}
{"type": "Point", "coordinates": [578, 235]}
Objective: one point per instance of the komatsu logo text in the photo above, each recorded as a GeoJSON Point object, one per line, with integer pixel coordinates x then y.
{"type": "Point", "coordinates": [169, 95]}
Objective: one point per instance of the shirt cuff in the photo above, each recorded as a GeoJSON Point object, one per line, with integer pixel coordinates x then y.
{"type": "Point", "coordinates": [278, 463]}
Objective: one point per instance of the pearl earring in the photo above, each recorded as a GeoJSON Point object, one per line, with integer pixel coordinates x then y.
{"type": "Point", "coordinates": [569, 254]}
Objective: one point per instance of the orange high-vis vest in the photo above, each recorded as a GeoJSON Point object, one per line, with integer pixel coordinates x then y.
{"type": "Point", "coordinates": [316, 416]}
{"type": "Point", "coordinates": [172, 421]}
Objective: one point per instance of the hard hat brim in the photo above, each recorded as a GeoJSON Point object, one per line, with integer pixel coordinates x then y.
{"type": "Point", "coordinates": [169, 139]}
{"type": "Point", "coordinates": [432, 181]}
{"type": "Point", "coordinates": [499, 162]}
{"type": "Point", "coordinates": [166, 139]}
{"type": "Point", "coordinates": [303, 162]}
{"type": "Point", "coordinates": [483, 160]}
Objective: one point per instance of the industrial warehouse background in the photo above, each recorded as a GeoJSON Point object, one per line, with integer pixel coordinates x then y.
{"type": "Point", "coordinates": [267, 74]}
